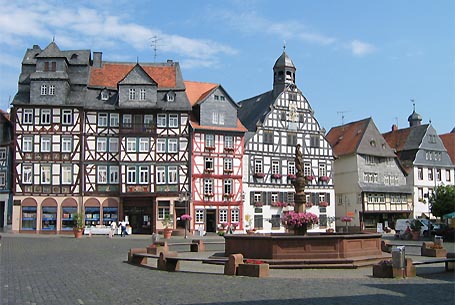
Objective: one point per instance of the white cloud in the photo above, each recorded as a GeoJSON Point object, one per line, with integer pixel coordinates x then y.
{"type": "Point", "coordinates": [360, 48]}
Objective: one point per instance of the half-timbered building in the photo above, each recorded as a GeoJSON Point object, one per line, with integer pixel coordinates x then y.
{"type": "Point", "coordinates": [217, 144]}
{"type": "Point", "coordinates": [277, 121]}
{"type": "Point", "coordinates": [107, 139]}
{"type": "Point", "coordinates": [6, 160]}
{"type": "Point", "coordinates": [370, 182]}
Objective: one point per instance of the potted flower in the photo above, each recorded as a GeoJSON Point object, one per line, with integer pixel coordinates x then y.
{"type": "Point", "coordinates": [167, 222]}
{"type": "Point", "coordinates": [78, 228]}
{"type": "Point", "coordinates": [415, 227]}
{"type": "Point", "coordinates": [186, 218]}
{"type": "Point", "coordinates": [222, 228]}
{"type": "Point", "coordinates": [299, 222]}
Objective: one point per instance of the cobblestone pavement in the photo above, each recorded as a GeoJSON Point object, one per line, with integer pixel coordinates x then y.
{"type": "Point", "coordinates": [63, 270]}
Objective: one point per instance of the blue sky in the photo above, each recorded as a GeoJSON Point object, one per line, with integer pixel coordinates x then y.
{"type": "Point", "coordinates": [355, 59]}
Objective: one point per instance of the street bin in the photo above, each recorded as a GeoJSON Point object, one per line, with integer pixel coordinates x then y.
{"type": "Point", "coordinates": [398, 257]}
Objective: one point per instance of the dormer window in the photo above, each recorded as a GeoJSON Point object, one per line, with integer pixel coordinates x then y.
{"type": "Point", "coordinates": [104, 95]}
{"type": "Point", "coordinates": [142, 95]}
{"type": "Point", "coordinates": [132, 94]}
{"type": "Point", "coordinates": [43, 89]}
{"type": "Point", "coordinates": [50, 66]}
{"type": "Point", "coordinates": [170, 96]}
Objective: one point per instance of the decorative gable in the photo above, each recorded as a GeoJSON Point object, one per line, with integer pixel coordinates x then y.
{"type": "Point", "coordinates": [137, 89]}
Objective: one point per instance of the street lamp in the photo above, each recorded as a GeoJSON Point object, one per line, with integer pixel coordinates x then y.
{"type": "Point", "coordinates": [185, 197]}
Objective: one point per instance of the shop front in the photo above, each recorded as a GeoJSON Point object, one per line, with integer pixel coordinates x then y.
{"type": "Point", "coordinates": [140, 214]}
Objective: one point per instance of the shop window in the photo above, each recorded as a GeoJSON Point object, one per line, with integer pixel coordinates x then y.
{"type": "Point", "coordinates": [92, 216]}
{"type": "Point", "coordinates": [29, 218]}
{"type": "Point", "coordinates": [109, 215]}
{"type": "Point", "coordinates": [67, 218]}
{"type": "Point", "coordinates": [49, 219]}
{"type": "Point", "coordinates": [163, 209]}
{"type": "Point", "coordinates": [276, 221]}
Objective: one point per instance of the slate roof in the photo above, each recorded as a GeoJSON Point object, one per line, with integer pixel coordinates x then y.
{"type": "Point", "coordinates": [284, 61]}
{"type": "Point", "coordinates": [254, 110]}
{"type": "Point", "coordinates": [449, 142]}
{"type": "Point", "coordinates": [407, 138]}
{"type": "Point", "coordinates": [111, 73]}
{"type": "Point", "coordinates": [345, 139]}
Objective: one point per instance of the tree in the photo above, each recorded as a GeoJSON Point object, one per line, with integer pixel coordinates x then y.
{"type": "Point", "coordinates": [443, 200]}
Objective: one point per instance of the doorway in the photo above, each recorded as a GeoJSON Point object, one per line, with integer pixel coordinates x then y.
{"type": "Point", "coordinates": [210, 220]}
{"type": "Point", "coordinates": [2, 215]}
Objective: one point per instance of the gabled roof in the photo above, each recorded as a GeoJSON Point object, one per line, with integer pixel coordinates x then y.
{"type": "Point", "coordinates": [345, 139]}
{"type": "Point", "coordinates": [137, 76]}
{"type": "Point", "coordinates": [111, 73]}
{"type": "Point", "coordinates": [449, 142]}
{"type": "Point", "coordinates": [407, 138]}
{"type": "Point", "coordinates": [254, 110]}
{"type": "Point", "coordinates": [198, 91]}
{"type": "Point", "coordinates": [51, 51]}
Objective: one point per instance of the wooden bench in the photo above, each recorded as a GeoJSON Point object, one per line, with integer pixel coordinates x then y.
{"type": "Point", "coordinates": [449, 261]}
{"type": "Point", "coordinates": [197, 245]}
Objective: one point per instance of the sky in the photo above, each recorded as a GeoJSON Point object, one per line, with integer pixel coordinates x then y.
{"type": "Point", "coordinates": [355, 59]}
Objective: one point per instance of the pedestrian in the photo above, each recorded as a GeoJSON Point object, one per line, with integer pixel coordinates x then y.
{"type": "Point", "coordinates": [113, 228]}
{"type": "Point", "coordinates": [123, 228]}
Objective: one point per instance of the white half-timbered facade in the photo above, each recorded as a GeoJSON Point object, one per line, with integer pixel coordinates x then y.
{"type": "Point", "coordinates": [217, 140]}
{"type": "Point", "coordinates": [277, 121]}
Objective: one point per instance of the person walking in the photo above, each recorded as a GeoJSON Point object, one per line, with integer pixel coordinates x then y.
{"type": "Point", "coordinates": [123, 228]}
{"type": "Point", "coordinates": [113, 228]}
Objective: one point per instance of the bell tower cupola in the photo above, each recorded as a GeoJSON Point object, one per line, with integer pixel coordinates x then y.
{"type": "Point", "coordinates": [283, 73]}
{"type": "Point", "coordinates": [414, 119]}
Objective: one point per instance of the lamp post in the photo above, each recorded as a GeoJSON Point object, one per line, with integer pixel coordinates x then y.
{"type": "Point", "coordinates": [185, 197]}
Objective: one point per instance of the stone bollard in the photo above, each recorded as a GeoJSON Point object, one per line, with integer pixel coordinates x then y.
{"type": "Point", "coordinates": [197, 245]}
{"type": "Point", "coordinates": [234, 260]}
{"type": "Point", "coordinates": [398, 262]}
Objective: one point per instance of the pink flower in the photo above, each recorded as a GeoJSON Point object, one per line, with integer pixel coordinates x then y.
{"type": "Point", "coordinates": [346, 219]}
{"type": "Point", "coordinates": [185, 217]}
{"type": "Point", "coordinates": [293, 219]}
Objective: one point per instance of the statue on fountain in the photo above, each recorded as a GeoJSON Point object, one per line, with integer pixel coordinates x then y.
{"type": "Point", "coordinates": [299, 182]}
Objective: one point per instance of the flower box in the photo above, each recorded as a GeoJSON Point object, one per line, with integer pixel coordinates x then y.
{"type": "Point", "coordinates": [229, 148]}
{"type": "Point", "coordinates": [259, 175]}
{"type": "Point", "coordinates": [292, 177]}
{"type": "Point", "coordinates": [309, 204]}
{"type": "Point", "coordinates": [279, 204]}
{"type": "Point", "coordinates": [253, 270]}
{"type": "Point", "coordinates": [324, 178]}
{"type": "Point", "coordinates": [323, 204]}
{"type": "Point", "coordinates": [210, 148]}
{"type": "Point", "coordinates": [309, 178]}
{"type": "Point", "coordinates": [277, 176]}
{"type": "Point", "coordinates": [208, 194]}
{"type": "Point", "coordinates": [346, 219]}
{"type": "Point", "coordinates": [258, 204]}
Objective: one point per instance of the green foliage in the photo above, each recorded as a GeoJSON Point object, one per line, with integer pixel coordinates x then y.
{"type": "Point", "coordinates": [443, 200]}
{"type": "Point", "coordinates": [78, 220]}
{"type": "Point", "coordinates": [168, 221]}
{"type": "Point", "coordinates": [415, 225]}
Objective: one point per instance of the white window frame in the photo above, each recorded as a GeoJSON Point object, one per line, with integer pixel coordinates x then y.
{"type": "Point", "coordinates": [160, 175]}
{"type": "Point", "coordinates": [131, 144]}
{"type": "Point", "coordinates": [142, 94]}
{"type": "Point", "coordinates": [51, 89]}
{"type": "Point", "coordinates": [258, 166]}
{"type": "Point", "coordinates": [27, 144]}
{"type": "Point", "coordinates": [132, 94]}
{"type": "Point", "coordinates": [46, 144]}
{"type": "Point", "coordinates": [102, 119]}
{"type": "Point", "coordinates": [172, 146]}
{"type": "Point", "coordinates": [43, 90]}
{"type": "Point", "coordinates": [228, 142]}
{"type": "Point", "coordinates": [161, 120]}
{"type": "Point", "coordinates": [173, 121]}
{"type": "Point", "coordinates": [113, 174]}
{"type": "Point", "coordinates": [275, 167]}
{"type": "Point", "coordinates": [291, 168]}
{"type": "Point", "coordinates": [67, 174]}
{"type": "Point", "coordinates": [143, 174]}
{"type": "Point", "coordinates": [45, 117]}
{"type": "Point", "coordinates": [228, 186]}
{"type": "Point", "coordinates": [27, 116]}
{"type": "Point", "coordinates": [131, 174]}
{"type": "Point", "coordinates": [322, 169]}
{"type": "Point", "coordinates": [27, 174]}
{"type": "Point", "coordinates": [127, 121]}
{"type": "Point", "coordinates": [209, 140]}
{"type": "Point", "coordinates": [208, 186]}
{"type": "Point", "coordinates": [67, 117]}
{"type": "Point", "coordinates": [235, 215]}
{"type": "Point", "coordinates": [114, 120]}
{"type": "Point", "coordinates": [172, 175]}
{"type": "Point", "coordinates": [227, 164]}
{"type": "Point", "coordinates": [199, 216]}
{"type": "Point", "coordinates": [67, 144]}
{"type": "Point", "coordinates": [160, 145]}
{"type": "Point", "coordinates": [45, 174]}
{"type": "Point", "coordinates": [101, 144]}
{"type": "Point", "coordinates": [223, 216]}
{"type": "Point", "coordinates": [113, 145]}
{"type": "Point", "coordinates": [101, 176]}
{"type": "Point", "coordinates": [215, 117]}
{"type": "Point", "coordinates": [144, 144]}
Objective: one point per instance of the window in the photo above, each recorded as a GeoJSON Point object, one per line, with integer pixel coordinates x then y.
{"type": "Point", "coordinates": [2, 178]}
{"type": "Point", "coordinates": [291, 168]}
{"type": "Point", "coordinates": [322, 169]}
{"type": "Point", "coordinates": [43, 90]}
{"type": "Point", "coordinates": [221, 119]}
{"type": "Point", "coordinates": [228, 142]}
{"type": "Point", "coordinates": [268, 137]}
{"type": "Point", "coordinates": [208, 164]}
{"type": "Point", "coordinates": [223, 216]}
{"type": "Point", "coordinates": [127, 121]}
{"type": "Point", "coordinates": [67, 117]}
{"type": "Point", "coordinates": [430, 174]}
{"type": "Point", "coordinates": [132, 94]}
{"type": "Point", "coordinates": [163, 209]}
{"type": "Point", "coordinates": [148, 120]}
{"type": "Point", "coordinates": [257, 197]}
{"type": "Point", "coordinates": [114, 120]}
{"type": "Point", "coordinates": [315, 141]}
{"type": "Point", "coordinates": [172, 175]}
{"type": "Point", "coordinates": [420, 193]}
{"type": "Point", "coordinates": [420, 173]}
{"type": "Point", "coordinates": [275, 167]}
{"type": "Point", "coordinates": [214, 117]}
{"type": "Point", "coordinates": [235, 216]}
{"type": "Point", "coordinates": [102, 119]}
{"type": "Point", "coordinates": [307, 169]}
{"type": "Point", "coordinates": [45, 116]}
{"type": "Point", "coordinates": [27, 144]}
{"type": "Point", "coordinates": [209, 140]}
{"type": "Point", "coordinates": [228, 186]}
{"type": "Point", "coordinates": [227, 164]}
{"type": "Point", "coordinates": [144, 145]}
{"type": "Point", "coordinates": [438, 174]}
{"type": "Point", "coordinates": [131, 174]}
{"type": "Point", "coordinates": [173, 120]}
{"type": "Point", "coordinates": [27, 174]}
{"type": "Point", "coordinates": [113, 174]}
{"type": "Point", "coordinates": [131, 144]}
{"type": "Point", "coordinates": [51, 89]}
{"type": "Point", "coordinates": [29, 218]}
{"type": "Point", "coordinates": [172, 146]}
{"type": "Point", "coordinates": [258, 166]}
{"type": "Point", "coordinates": [161, 145]}
{"type": "Point", "coordinates": [447, 174]}
{"type": "Point", "coordinates": [208, 187]}
{"type": "Point", "coordinates": [102, 174]}
{"type": "Point", "coordinates": [101, 144]}
{"type": "Point", "coordinates": [27, 116]}
{"type": "Point", "coordinates": [216, 97]}
{"type": "Point", "coordinates": [67, 174]}
{"type": "Point", "coordinates": [45, 144]}
{"type": "Point", "coordinates": [199, 217]}
{"type": "Point", "coordinates": [113, 145]}
{"type": "Point", "coordinates": [2, 153]}
{"type": "Point", "coordinates": [142, 95]}
{"type": "Point", "coordinates": [276, 221]}
{"type": "Point", "coordinates": [45, 174]}
{"type": "Point", "coordinates": [104, 95]}
{"type": "Point", "coordinates": [67, 144]}
{"type": "Point", "coordinates": [292, 139]}
{"type": "Point", "coordinates": [161, 120]}
{"type": "Point", "coordinates": [160, 175]}
{"type": "Point", "coordinates": [386, 180]}
{"type": "Point", "coordinates": [143, 174]}
{"type": "Point", "coordinates": [170, 96]}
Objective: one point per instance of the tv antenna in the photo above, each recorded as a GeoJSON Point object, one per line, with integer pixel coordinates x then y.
{"type": "Point", "coordinates": [342, 115]}
{"type": "Point", "coordinates": [155, 46]}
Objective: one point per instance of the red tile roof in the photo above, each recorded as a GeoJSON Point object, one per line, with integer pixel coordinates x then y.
{"type": "Point", "coordinates": [449, 142]}
{"type": "Point", "coordinates": [111, 73]}
{"type": "Point", "coordinates": [397, 138]}
{"type": "Point", "coordinates": [196, 91]}
{"type": "Point", "coordinates": [346, 138]}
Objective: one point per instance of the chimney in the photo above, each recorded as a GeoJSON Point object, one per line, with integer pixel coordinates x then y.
{"type": "Point", "coordinates": [97, 59]}
{"type": "Point", "coordinates": [394, 127]}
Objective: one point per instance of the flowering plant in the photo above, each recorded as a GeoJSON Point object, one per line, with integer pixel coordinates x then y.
{"type": "Point", "coordinates": [309, 178]}
{"type": "Point", "coordinates": [292, 176]}
{"type": "Point", "coordinates": [293, 219]}
{"type": "Point", "coordinates": [234, 225]}
{"type": "Point", "coordinates": [279, 204]}
{"type": "Point", "coordinates": [223, 225]}
{"type": "Point", "coordinates": [323, 204]}
{"type": "Point", "coordinates": [346, 219]}
{"type": "Point", "coordinates": [258, 204]}
{"type": "Point", "coordinates": [259, 175]}
{"type": "Point", "coordinates": [324, 178]}
{"type": "Point", "coordinates": [309, 204]}
{"type": "Point", "coordinates": [185, 217]}
{"type": "Point", "coordinates": [277, 176]}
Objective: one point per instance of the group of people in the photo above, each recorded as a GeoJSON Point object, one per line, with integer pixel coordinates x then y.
{"type": "Point", "coordinates": [122, 224]}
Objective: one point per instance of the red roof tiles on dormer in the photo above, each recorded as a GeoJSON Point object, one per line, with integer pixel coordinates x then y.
{"type": "Point", "coordinates": [111, 73]}
{"type": "Point", "coordinates": [346, 138]}
{"type": "Point", "coordinates": [397, 138]}
{"type": "Point", "coordinates": [449, 142]}
{"type": "Point", "coordinates": [197, 91]}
